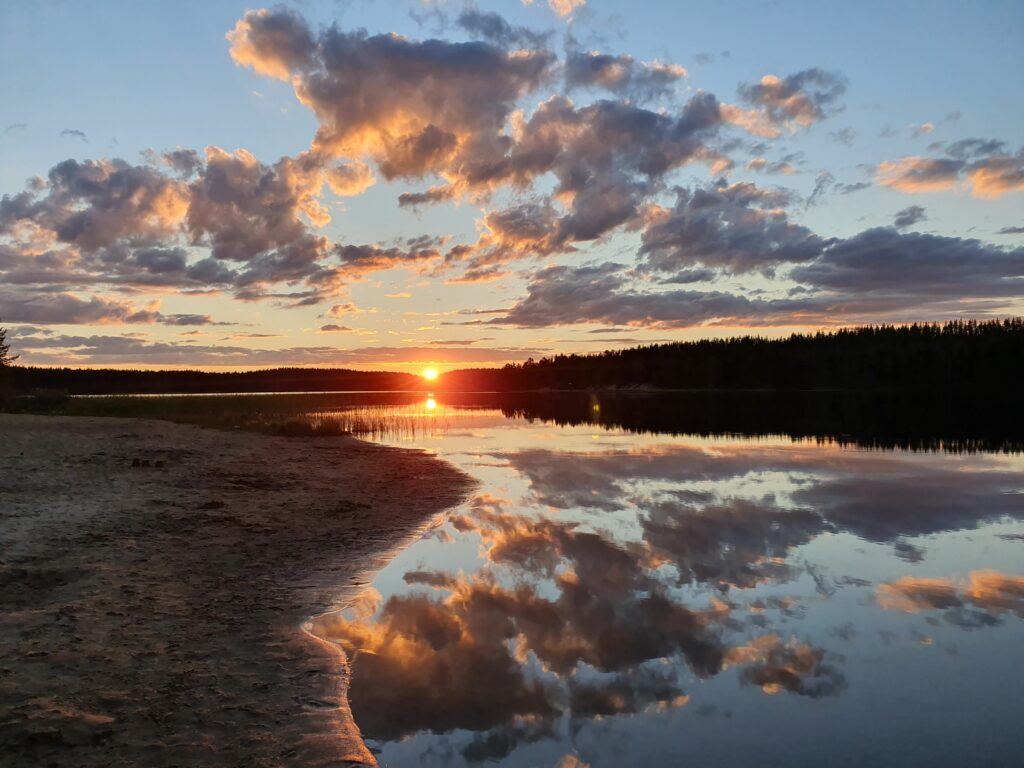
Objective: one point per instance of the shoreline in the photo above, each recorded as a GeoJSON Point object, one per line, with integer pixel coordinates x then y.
{"type": "Point", "coordinates": [157, 614]}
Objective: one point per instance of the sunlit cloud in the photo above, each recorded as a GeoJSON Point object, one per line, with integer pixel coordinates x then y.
{"type": "Point", "coordinates": [980, 600]}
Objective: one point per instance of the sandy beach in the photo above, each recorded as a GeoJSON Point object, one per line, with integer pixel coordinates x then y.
{"type": "Point", "coordinates": [155, 577]}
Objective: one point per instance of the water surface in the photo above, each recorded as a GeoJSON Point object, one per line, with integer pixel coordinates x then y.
{"type": "Point", "coordinates": [613, 594]}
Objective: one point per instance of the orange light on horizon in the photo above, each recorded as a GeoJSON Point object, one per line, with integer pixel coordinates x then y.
{"type": "Point", "coordinates": [430, 374]}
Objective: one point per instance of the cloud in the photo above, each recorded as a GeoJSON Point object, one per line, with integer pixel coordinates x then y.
{"type": "Point", "coordinates": [915, 267]}
{"type": "Point", "coordinates": [490, 26]}
{"type": "Point", "coordinates": [415, 107]}
{"type": "Point", "coordinates": [917, 131]}
{"type": "Point", "coordinates": [565, 8]}
{"type": "Point", "coordinates": [68, 309]}
{"type": "Point", "coordinates": [225, 222]}
{"type": "Point", "coordinates": [759, 164]}
{"type": "Point", "coordinates": [738, 227]}
{"type": "Point", "coordinates": [919, 174]}
{"type": "Point", "coordinates": [71, 133]}
{"type": "Point", "coordinates": [899, 501]}
{"type": "Point", "coordinates": [796, 667]}
{"type": "Point", "coordinates": [13, 128]}
{"type": "Point", "coordinates": [846, 189]}
{"type": "Point", "coordinates": [432, 195]}
{"type": "Point", "coordinates": [984, 166]}
{"type": "Point", "coordinates": [272, 42]}
{"type": "Point", "coordinates": [622, 75]}
{"type": "Point", "coordinates": [909, 216]}
{"type": "Point", "coordinates": [1011, 231]}
{"type": "Point", "coordinates": [98, 204]}
{"type": "Point", "coordinates": [607, 159]}
{"type": "Point", "coordinates": [796, 101]}
{"type": "Point", "coordinates": [979, 601]}
{"type": "Point", "coordinates": [332, 328]}
{"type": "Point", "coordinates": [736, 543]}
{"type": "Point", "coordinates": [359, 259]}
{"type": "Point", "coordinates": [184, 162]}
{"type": "Point", "coordinates": [340, 310]}
{"type": "Point", "coordinates": [430, 654]}
{"type": "Point", "coordinates": [600, 294]}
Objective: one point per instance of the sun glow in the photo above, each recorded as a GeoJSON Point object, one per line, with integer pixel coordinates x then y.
{"type": "Point", "coordinates": [430, 374]}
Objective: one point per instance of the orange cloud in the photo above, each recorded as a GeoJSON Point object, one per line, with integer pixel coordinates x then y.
{"type": "Point", "coordinates": [992, 592]}
{"type": "Point", "coordinates": [918, 174]}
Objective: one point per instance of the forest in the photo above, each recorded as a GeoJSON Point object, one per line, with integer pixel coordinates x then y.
{"type": "Point", "coordinates": [953, 356]}
{"type": "Point", "coordinates": [99, 381]}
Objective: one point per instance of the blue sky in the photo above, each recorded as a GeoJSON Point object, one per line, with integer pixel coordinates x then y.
{"type": "Point", "coordinates": [94, 82]}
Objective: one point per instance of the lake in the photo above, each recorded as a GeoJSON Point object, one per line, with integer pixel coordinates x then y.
{"type": "Point", "coordinates": [631, 584]}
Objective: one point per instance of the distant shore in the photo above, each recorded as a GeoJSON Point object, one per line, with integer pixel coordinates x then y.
{"type": "Point", "coordinates": [154, 579]}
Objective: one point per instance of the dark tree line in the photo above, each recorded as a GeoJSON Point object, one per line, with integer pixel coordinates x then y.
{"type": "Point", "coordinates": [962, 354]}
{"type": "Point", "coordinates": [99, 381]}
{"type": "Point", "coordinates": [951, 357]}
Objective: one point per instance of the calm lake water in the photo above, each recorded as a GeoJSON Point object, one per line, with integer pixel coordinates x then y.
{"type": "Point", "coordinates": [614, 597]}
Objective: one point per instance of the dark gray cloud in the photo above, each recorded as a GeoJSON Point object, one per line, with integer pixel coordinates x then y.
{"type": "Point", "coordinates": [72, 133]}
{"type": "Point", "coordinates": [909, 216]}
{"type": "Point", "coordinates": [432, 195]}
{"type": "Point", "coordinates": [1011, 231]}
{"type": "Point", "coordinates": [846, 189]}
{"type": "Point", "coordinates": [622, 75]}
{"type": "Point", "coordinates": [602, 294]}
{"type": "Point", "coordinates": [184, 162]}
{"type": "Point", "coordinates": [486, 25]}
{"type": "Point", "coordinates": [823, 182]}
{"type": "Point", "coordinates": [737, 228]}
{"type": "Point", "coordinates": [57, 308]}
{"type": "Point", "coordinates": [915, 267]}
{"type": "Point", "coordinates": [687, 276]}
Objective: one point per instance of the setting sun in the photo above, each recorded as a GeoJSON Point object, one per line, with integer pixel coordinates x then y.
{"type": "Point", "coordinates": [430, 374]}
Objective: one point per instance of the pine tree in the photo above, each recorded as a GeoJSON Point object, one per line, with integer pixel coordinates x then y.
{"type": "Point", "coordinates": [6, 358]}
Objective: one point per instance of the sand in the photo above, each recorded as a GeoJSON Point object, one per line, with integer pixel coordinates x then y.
{"type": "Point", "coordinates": [153, 615]}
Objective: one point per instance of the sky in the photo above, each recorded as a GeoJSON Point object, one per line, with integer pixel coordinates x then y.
{"type": "Point", "coordinates": [442, 183]}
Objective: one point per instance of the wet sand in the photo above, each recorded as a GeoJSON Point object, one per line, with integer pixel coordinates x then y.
{"type": "Point", "coordinates": [152, 615]}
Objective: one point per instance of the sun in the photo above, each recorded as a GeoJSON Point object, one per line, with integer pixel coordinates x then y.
{"type": "Point", "coordinates": [430, 374]}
